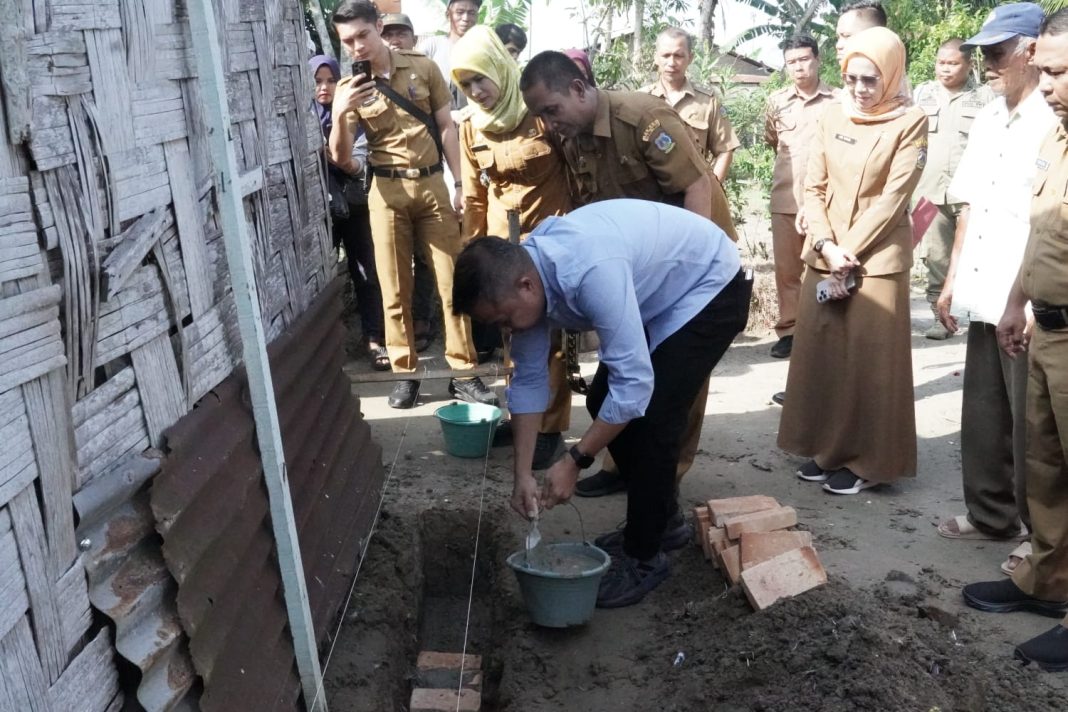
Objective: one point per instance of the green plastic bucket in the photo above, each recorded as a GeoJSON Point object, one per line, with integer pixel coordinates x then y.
{"type": "Point", "coordinates": [554, 598]}
{"type": "Point", "coordinates": [468, 427]}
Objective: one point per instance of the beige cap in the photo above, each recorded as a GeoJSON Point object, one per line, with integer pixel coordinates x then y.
{"type": "Point", "coordinates": [397, 18]}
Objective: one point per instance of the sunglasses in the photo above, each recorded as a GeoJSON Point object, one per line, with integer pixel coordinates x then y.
{"type": "Point", "coordinates": [865, 81]}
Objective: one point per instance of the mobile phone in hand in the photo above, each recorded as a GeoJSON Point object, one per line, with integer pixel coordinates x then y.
{"type": "Point", "coordinates": [362, 66]}
{"type": "Point", "coordinates": [823, 287]}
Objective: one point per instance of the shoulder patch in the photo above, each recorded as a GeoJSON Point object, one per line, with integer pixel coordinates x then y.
{"type": "Point", "coordinates": [648, 132]}
{"type": "Point", "coordinates": [1043, 164]}
{"type": "Point", "coordinates": [921, 155]}
{"type": "Point", "coordinates": [664, 142]}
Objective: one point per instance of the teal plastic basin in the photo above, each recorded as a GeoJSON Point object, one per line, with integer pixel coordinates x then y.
{"type": "Point", "coordinates": [555, 599]}
{"type": "Point", "coordinates": [468, 427]}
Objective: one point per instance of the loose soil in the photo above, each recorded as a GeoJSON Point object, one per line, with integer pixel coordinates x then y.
{"type": "Point", "coordinates": [888, 632]}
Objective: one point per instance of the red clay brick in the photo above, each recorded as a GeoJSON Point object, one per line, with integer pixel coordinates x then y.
{"type": "Point", "coordinates": [730, 563]}
{"type": "Point", "coordinates": [431, 660]}
{"type": "Point", "coordinates": [758, 547]}
{"type": "Point", "coordinates": [717, 539]}
{"type": "Point", "coordinates": [701, 521]}
{"type": "Point", "coordinates": [428, 700]}
{"type": "Point", "coordinates": [766, 521]}
{"type": "Point", "coordinates": [720, 509]}
{"type": "Point", "coordinates": [784, 576]}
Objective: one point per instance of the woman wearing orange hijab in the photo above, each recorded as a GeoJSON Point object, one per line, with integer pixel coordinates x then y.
{"type": "Point", "coordinates": [849, 395]}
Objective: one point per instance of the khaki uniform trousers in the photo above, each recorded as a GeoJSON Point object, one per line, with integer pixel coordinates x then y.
{"type": "Point", "coordinates": [691, 437]}
{"type": "Point", "coordinates": [786, 244]}
{"type": "Point", "coordinates": [1044, 574]}
{"type": "Point", "coordinates": [993, 428]}
{"type": "Point", "coordinates": [938, 248]}
{"type": "Point", "coordinates": [409, 214]}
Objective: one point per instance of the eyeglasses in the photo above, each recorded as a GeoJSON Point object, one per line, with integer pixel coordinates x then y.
{"type": "Point", "coordinates": [866, 81]}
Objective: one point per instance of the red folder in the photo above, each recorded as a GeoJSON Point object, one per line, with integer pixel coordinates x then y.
{"type": "Point", "coordinates": [922, 216]}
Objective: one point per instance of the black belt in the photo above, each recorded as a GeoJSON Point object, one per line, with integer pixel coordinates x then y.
{"type": "Point", "coordinates": [1049, 316]}
{"type": "Point", "coordinates": [387, 172]}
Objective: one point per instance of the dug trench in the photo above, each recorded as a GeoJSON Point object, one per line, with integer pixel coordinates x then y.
{"type": "Point", "coordinates": [693, 644]}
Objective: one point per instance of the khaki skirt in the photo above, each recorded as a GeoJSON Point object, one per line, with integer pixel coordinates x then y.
{"type": "Point", "coordinates": [849, 394]}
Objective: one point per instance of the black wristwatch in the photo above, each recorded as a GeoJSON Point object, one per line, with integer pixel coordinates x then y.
{"type": "Point", "coordinates": [818, 245]}
{"type": "Point", "coordinates": [583, 461]}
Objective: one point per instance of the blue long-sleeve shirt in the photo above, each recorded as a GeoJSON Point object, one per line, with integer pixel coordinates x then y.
{"type": "Point", "coordinates": [631, 270]}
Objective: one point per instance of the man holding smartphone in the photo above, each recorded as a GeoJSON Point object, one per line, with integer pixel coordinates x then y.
{"type": "Point", "coordinates": [402, 102]}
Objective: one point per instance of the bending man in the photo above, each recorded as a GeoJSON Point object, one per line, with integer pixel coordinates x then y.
{"type": "Point", "coordinates": [664, 291]}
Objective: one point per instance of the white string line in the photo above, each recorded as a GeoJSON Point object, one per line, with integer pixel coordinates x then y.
{"type": "Point", "coordinates": [359, 565]}
{"type": "Point", "coordinates": [474, 568]}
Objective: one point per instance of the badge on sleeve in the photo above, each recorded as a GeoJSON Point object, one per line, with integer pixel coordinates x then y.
{"type": "Point", "coordinates": [921, 154]}
{"type": "Point", "coordinates": [664, 142]}
{"type": "Point", "coordinates": [650, 129]}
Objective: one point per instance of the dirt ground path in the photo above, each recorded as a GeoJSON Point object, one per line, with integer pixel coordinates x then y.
{"type": "Point", "coordinates": [890, 632]}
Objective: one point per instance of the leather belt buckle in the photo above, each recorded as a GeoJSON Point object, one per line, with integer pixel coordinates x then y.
{"type": "Point", "coordinates": [411, 172]}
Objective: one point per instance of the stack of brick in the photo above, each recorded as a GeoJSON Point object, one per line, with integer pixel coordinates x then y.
{"type": "Point", "coordinates": [752, 540]}
{"type": "Point", "coordinates": [447, 682]}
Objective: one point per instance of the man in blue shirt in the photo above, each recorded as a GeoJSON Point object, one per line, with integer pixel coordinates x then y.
{"type": "Point", "coordinates": [664, 291]}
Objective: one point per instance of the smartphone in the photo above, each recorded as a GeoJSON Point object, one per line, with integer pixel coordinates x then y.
{"type": "Point", "coordinates": [362, 66]}
{"type": "Point", "coordinates": [823, 289]}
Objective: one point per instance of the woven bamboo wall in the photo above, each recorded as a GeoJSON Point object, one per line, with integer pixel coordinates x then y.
{"type": "Point", "coordinates": [115, 313]}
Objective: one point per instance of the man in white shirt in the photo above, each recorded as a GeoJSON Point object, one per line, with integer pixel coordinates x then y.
{"type": "Point", "coordinates": [462, 16]}
{"type": "Point", "coordinates": [993, 182]}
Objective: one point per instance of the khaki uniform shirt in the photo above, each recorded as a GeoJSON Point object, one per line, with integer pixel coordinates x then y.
{"type": "Point", "coordinates": [639, 148]}
{"type": "Point", "coordinates": [522, 170]}
{"type": "Point", "coordinates": [857, 188]}
{"type": "Point", "coordinates": [396, 138]}
{"type": "Point", "coordinates": [789, 128]}
{"type": "Point", "coordinates": [949, 121]}
{"type": "Point", "coordinates": [706, 117]}
{"type": "Point", "coordinates": [1044, 273]}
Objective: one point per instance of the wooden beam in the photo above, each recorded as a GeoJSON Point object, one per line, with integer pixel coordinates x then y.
{"type": "Point", "coordinates": [207, 44]}
{"type": "Point", "coordinates": [427, 374]}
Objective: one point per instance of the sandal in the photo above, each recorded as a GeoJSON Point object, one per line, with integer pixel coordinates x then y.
{"type": "Point", "coordinates": [379, 358]}
{"type": "Point", "coordinates": [966, 530]}
{"type": "Point", "coordinates": [1016, 558]}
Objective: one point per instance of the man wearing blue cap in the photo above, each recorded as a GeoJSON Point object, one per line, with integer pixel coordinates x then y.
{"type": "Point", "coordinates": [1040, 583]}
{"type": "Point", "coordinates": [993, 183]}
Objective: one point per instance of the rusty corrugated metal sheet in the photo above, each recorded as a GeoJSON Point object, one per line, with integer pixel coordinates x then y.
{"type": "Point", "coordinates": [129, 583]}
{"type": "Point", "coordinates": [211, 508]}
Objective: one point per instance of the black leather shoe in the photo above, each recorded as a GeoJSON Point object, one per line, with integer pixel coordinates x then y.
{"type": "Point", "coordinates": [404, 394]}
{"type": "Point", "coordinates": [472, 390]}
{"type": "Point", "coordinates": [546, 450]}
{"type": "Point", "coordinates": [601, 484]}
{"type": "Point", "coordinates": [1049, 651]}
{"type": "Point", "coordinates": [779, 398]}
{"type": "Point", "coordinates": [783, 347]}
{"type": "Point", "coordinates": [1004, 596]}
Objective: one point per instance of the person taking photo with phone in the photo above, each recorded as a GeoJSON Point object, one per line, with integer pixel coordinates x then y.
{"type": "Point", "coordinates": [403, 107]}
{"type": "Point", "coordinates": [850, 382]}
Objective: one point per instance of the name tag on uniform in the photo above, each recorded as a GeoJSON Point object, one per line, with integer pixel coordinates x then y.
{"type": "Point", "coordinates": [972, 104]}
{"type": "Point", "coordinates": [845, 139]}
{"type": "Point", "coordinates": [1043, 164]}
